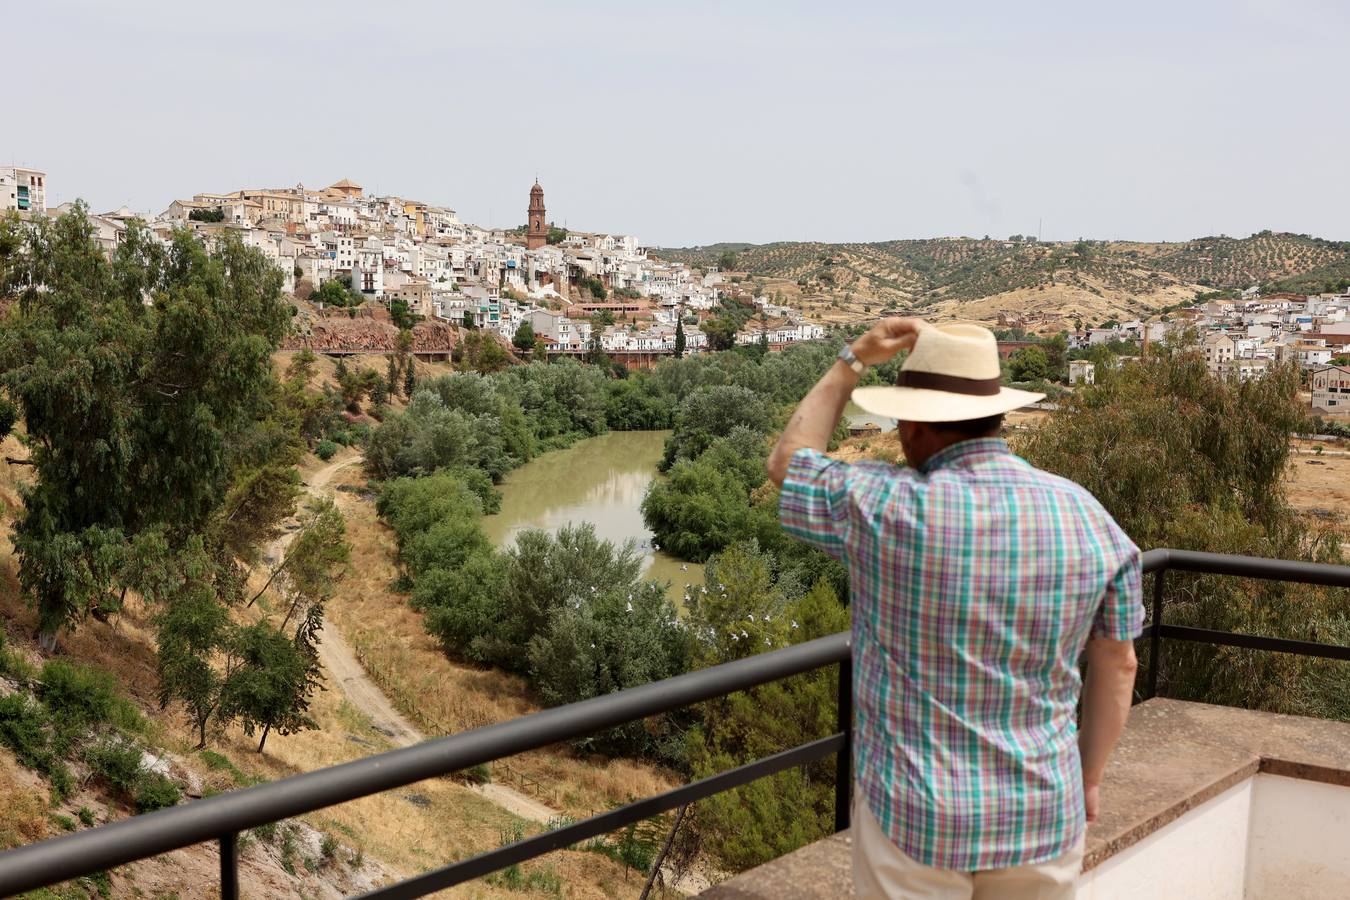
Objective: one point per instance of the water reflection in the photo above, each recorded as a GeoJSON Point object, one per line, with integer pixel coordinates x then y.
{"type": "Point", "coordinates": [600, 480]}
{"type": "Point", "coordinates": [855, 415]}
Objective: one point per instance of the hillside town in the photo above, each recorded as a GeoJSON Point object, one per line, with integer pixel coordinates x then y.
{"type": "Point", "coordinates": [1241, 338]}
{"type": "Point", "coordinates": [583, 291]}
{"type": "Point", "coordinates": [575, 290]}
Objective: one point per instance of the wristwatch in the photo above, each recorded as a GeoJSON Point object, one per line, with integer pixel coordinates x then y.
{"type": "Point", "coordinates": [847, 358]}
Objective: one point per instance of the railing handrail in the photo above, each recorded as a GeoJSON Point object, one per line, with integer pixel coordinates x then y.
{"type": "Point", "coordinates": [1328, 574]}
{"type": "Point", "coordinates": [223, 816]}
{"type": "Point", "coordinates": [117, 843]}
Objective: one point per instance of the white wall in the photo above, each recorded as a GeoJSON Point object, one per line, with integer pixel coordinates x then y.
{"type": "Point", "coordinates": [1268, 838]}
{"type": "Point", "coordinates": [1299, 842]}
{"type": "Point", "coordinates": [1200, 856]}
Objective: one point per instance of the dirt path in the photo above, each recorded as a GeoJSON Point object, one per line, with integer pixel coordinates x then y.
{"type": "Point", "coordinates": [363, 693]}
{"type": "Point", "coordinates": [514, 801]}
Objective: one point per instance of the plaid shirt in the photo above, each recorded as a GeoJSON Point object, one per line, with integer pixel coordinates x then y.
{"type": "Point", "coordinates": [976, 581]}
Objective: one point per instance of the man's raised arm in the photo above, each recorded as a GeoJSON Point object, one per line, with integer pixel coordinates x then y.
{"type": "Point", "coordinates": [816, 416]}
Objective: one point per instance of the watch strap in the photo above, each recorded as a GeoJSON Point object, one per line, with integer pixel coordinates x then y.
{"type": "Point", "coordinates": [847, 357]}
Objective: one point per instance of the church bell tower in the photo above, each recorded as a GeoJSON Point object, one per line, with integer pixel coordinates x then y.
{"type": "Point", "coordinates": [536, 233]}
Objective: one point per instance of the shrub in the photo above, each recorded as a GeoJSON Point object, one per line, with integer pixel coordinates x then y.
{"type": "Point", "coordinates": [325, 450]}
{"type": "Point", "coordinates": [13, 663]}
{"type": "Point", "coordinates": [156, 791]}
{"type": "Point", "coordinates": [117, 764]}
{"type": "Point", "coordinates": [80, 698]}
{"type": "Point", "coordinates": [328, 848]}
{"type": "Point", "coordinates": [23, 729]}
{"type": "Point", "coordinates": [86, 816]}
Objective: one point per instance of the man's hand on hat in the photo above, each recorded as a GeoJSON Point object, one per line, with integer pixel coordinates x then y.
{"type": "Point", "coordinates": [887, 338]}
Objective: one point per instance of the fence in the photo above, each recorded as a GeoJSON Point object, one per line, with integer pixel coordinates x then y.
{"type": "Point", "coordinates": [223, 817]}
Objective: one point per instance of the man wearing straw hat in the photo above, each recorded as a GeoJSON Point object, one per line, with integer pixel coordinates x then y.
{"type": "Point", "coordinates": [977, 581]}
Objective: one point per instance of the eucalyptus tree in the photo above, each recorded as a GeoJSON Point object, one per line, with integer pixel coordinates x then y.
{"type": "Point", "coordinates": [137, 376]}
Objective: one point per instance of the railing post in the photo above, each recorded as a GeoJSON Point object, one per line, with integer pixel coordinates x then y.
{"type": "Point", "coordinates": [843, 763]}
{"type": "Point", "coordinates": [1155, 638]}
{"type": "Point", "coordinates": [229, 867]}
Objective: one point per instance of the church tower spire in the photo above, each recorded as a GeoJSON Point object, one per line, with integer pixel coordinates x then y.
{"type": "Point", "coordinates": [536, 232]}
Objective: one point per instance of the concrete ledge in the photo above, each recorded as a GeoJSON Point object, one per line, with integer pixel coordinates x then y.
{"type": "Point", "coordinates": [1173, 757]}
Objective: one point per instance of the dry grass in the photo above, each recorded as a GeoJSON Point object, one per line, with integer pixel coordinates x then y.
{"type": "Point", "coordinates": [408, 830]}
{"type": "Point", "coordinates": [326, 366]}
{"type": "Point", "coordinates": [23, 804]}
{"type": "Point", "coordinates": [443, 696]}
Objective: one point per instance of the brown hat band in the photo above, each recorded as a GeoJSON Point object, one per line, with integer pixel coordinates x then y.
{"type": "Point", "coordinates": [953, 384]}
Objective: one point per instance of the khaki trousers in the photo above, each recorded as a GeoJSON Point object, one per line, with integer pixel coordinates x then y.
{"type": "Point", "coordinates": [882, 870]}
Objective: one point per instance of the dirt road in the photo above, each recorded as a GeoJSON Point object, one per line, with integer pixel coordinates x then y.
{"type": "Point", "coordinates": [363, 693]}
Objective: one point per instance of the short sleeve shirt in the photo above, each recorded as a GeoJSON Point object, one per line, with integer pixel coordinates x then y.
{"type": "Point", "coordinates": [976, 582]}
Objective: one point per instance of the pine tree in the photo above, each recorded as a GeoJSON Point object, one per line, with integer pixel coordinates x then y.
{"type": "Point", "coordinates": [679, 336]}
{"type": "Point", "coordinates": [409, 380]}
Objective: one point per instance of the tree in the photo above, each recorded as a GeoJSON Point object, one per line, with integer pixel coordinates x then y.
{"type": "Point", "coordinates": [483, 353]}
{"type": "Point", "coordinates": [333, 293]}
{"type": "Point", "coordinates": [622, 636]}
{"type": "Point", "coordinates": [704, 505]}
{"type": "Point", "coordinates": [556, 235]}
{"type": "Point", "coordinates": [194, 627]}
{"type": "Point", "coordinates": [726, 262]}
{"type": "Point", "coordinates": [409, 380]}
{"type": "Point", "coordinates": [1182, 459]}
{"type": "Point", "coordinates": [710, 412]}
{"type": "Point", "coordinates": [524, 337]}
{"type": "Point", "coordinates": [1029, 364]}
{"type": "Point", "coordinates": [272, 682]}
{"type": "Point", "coordinates": [741, 612]}
{"type": "Point", "coordinates": [721, 332]}
{"type": "Point", "coordinates": [679, 337]}
{"type": "Point", "coordinates": [9, 414]}
{"type": "Point", "coordinates": [207, 214]}
{"type": "Point", "coordinates": [402, 315]}
{"type": "Point", "coordinates": [391, 377]}
{"type": "Point", "coordinates": [596, 287]}
{"type": "Point", "coordinates": [133, 408]}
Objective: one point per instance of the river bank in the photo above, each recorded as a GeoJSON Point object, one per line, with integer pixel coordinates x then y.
{"type": "Point", "coordinates": [600, 480]}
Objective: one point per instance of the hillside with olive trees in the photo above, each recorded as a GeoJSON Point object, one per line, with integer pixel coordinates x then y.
{"type": "Point", "coordinates": [1045, 284]}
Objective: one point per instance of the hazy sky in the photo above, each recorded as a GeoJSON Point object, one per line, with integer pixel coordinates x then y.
{"type": "Point", "coordinates": [689, 123]}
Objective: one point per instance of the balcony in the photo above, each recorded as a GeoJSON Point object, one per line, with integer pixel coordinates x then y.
{"type": "Point", "coordinates": [1199, 800]}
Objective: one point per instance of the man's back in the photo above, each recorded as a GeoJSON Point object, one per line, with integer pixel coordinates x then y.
{"type": "Point", "coordinates": [976, 582]}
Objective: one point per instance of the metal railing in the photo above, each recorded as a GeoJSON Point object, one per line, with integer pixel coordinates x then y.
{"type": "Point", "coordinates": [1160, 562]}
{"type": "Point", "coordinates": [224, 817]}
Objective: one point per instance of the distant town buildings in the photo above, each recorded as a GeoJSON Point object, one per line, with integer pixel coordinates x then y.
{"type": "Point", "coordinates": [23, 189]}
{"type": "Point", "coordinates": [1082, 371]}
{"type": "Point", "coordinates": [1331, 389]}
{"type": "Point", "coordinates": [584, 292]}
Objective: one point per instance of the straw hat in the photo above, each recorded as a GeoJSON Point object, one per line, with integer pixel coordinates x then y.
{"type": "Point", "coordinates": [952, 374]}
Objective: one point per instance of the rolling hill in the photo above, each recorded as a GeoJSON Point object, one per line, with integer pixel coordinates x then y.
{"type": "Point", "coordinates": [1043, 284]}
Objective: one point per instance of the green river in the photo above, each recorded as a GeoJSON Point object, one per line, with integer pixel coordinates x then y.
{"type": "Point", "coordinates": [600, 480]}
